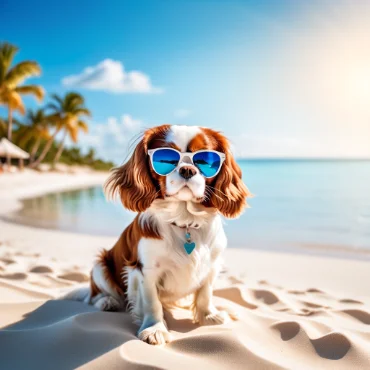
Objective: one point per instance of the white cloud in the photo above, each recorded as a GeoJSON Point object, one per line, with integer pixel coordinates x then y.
{"type": "Point", "coordinates": [112, 139]}
{"type": "Point", "coordinates": [110, 75]}
{"type": "Point", "coordinates": [129, 123]}
{"type": "Point", "coordinates": [181, 113]}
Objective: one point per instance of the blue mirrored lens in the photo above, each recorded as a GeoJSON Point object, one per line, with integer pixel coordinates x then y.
{"type": "Point", "coordinates": [208, 163]}
{"type": "Point", "coordinates": [165, 161]}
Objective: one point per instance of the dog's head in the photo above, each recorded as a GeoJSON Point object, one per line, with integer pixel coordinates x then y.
{"type": "Point", "coordinates": [139, 181]}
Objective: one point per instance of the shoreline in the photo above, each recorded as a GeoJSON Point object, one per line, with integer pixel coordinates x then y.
{"type": "Point", "coordinates": [14, 187]}
{"type": "Point", "coordinates": [11, 202]}
{"type": "Point", "coordinates": [340, 252]}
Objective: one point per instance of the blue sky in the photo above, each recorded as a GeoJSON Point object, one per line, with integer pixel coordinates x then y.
{"type": "Point", "coordinates": [280, 78]}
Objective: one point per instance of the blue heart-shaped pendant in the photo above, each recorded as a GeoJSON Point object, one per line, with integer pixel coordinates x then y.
{"type": "Point", "coordinates": [189, 247]}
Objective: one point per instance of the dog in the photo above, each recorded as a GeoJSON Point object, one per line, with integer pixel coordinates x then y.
{"type": "Point", "coordinates": [180, 180]}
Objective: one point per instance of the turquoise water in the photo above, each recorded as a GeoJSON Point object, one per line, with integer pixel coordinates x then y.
{"type": "Point", "coordinates": [311, 206]}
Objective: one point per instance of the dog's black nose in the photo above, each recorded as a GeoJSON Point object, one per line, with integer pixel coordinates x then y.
{"type": "Point", "coordinates": [187, 172]}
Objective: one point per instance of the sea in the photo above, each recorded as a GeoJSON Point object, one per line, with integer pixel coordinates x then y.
{"type": "Point", "coordinates": [319, 207]}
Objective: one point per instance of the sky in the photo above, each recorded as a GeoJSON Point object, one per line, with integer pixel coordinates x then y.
{"type": "Point", "coordinates": [285, 78]}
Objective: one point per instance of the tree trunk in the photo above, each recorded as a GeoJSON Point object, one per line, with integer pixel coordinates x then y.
{"type": "Point", "coordinates": [35, 148]}
{"type": "Point", "coordinates": [10, 122]}
{"type": "Point", "coordinates": [45, 151]}
{"type": "Point", "coordinates": [61, 147]}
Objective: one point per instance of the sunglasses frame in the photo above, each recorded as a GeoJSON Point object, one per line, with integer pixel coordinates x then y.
{"type": "Point", "coordinates": [190, 155]}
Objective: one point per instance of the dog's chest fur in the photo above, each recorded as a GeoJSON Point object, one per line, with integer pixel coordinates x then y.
{"type": "Point", "coordinates": [178, 274]}
{"type": "Point", "coordinates": [183, 275]}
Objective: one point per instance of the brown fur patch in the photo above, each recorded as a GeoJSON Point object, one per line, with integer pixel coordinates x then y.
{"type": "Point", "coordinates": [228, 192]}
{"type": "Point", "coordinates": [93, 287]}
{"type": "Point", "coordinates": [125, 253]}
{"type": "Point", "coordinates": [199, 142]}
{"type": "Point", "coordinates": [136, 182]}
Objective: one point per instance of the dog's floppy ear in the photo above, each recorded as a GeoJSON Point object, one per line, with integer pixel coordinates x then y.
{"type": "Point", "coordinates": [230, 193]}
{"type": "Point", "coordinates": [133, 181]}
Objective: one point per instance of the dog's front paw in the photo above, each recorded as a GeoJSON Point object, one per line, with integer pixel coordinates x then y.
{"type": "Point", "coordinates": [155, 334]}
{"type": "Point", "coordinates": [107, 303]}
{"type": "Point", "coordinates": [213, 317]}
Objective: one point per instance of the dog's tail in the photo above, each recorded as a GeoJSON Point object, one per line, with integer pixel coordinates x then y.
{"type": "Point", "coordinates": [82, 294]}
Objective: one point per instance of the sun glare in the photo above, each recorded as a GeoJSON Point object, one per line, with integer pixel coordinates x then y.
{"type": "Point", "coordinates": [360, 84]}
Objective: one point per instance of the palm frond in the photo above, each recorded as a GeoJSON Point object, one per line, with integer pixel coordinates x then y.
{"type": "Point", "coordinates": [58, 99]}
{"type": "Point", "coordinates": [83, 126]}
{"type": "Point", "coordinates": [7, 53]}
{"type": "Point", "coordinates": [75, 96]}
{"type": "Point", "coordinates": [35, 90]}
{"type": "Point", "coordinates": [15, 102]}
{"type": "Point", "coordinates": [17, 123]}
{"type": "Point", "coordinates": [53, 118]}
{"type": "Point", "coordinates": [30, 117]}
{"type": "Point", "coordinates": [66, 112]}
{"type": "Point", "coordinates": [40, 115]}
{"type": "Point", "coordinates": [82, 112]}
{"type": "Point", "coordinates": [73, 133]}
{"type": "Point", "coordinates": [52, 106]}
{"type": "Point", "coordinates": [44, 133]}
{"type": "Point", "coordinates": [24, 134]}
{"type": "Point", "coordinates": [36, 117]}
{"type": "Point", "coordinates": [73, 100]}
{"type": "Point", "coordinates": [21, 71]}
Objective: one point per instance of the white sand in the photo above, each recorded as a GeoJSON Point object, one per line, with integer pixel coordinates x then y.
{"type": "Point", "coordinates": [295, 311]}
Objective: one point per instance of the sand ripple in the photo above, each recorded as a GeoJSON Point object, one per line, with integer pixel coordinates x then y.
{"type": "Point", "coordinates": [278, 327]}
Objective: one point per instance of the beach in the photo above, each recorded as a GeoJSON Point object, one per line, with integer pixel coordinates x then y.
{"type": "Point", "coordinates": [294, 311]}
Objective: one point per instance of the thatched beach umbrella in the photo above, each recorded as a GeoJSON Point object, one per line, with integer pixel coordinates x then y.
{"type": "Point", "coordinates": [8, 149]}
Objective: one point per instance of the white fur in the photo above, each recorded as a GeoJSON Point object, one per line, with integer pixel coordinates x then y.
{"type": "Point", "coordinates": [185, 190]}
{"type": "Point", "coordinates": [182, 274]}
{"type": "Point", "coordinates": [182, 135]}
{"type": "Point", "coordinates": [108, 303]}
{"type": "Point", "coordinates": [101, 282]}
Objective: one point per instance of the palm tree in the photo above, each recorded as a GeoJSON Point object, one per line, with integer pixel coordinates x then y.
{"type": "Point", "coordinates": [66, 113]}
{"type": "Point", "coordinates": [37, 129]}
{"type": "Point", "coordinates": [90, 156]}
{"type": "Point", "coordinates": [11, 77]}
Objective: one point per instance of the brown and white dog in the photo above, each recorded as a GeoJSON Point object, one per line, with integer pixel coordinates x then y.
{"type": "Point", "coordinates": [148, 268]}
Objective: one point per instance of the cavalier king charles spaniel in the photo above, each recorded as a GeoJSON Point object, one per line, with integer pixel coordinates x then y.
{"type": "Point", "coordinates": [179, 180]}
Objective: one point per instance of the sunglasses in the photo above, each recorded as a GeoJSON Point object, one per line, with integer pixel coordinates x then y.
{"type": "Point", "coordinates": [165, 160]}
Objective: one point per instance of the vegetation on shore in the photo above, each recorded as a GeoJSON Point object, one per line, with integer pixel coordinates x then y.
{"type": "Point", "coordinates": [42, 132]}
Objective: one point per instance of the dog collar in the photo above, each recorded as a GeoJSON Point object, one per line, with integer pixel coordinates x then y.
{"type": "Point", "coordinates": [191, 226]}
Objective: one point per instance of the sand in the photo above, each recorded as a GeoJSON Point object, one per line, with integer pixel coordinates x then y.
{"type": "Point", "coordinates": [295, 311]}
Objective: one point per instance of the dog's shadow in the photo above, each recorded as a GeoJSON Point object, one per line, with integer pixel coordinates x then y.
{"type": "Point", "coordinates": [66, 334]}
{"type": "Point", "coordinates": [181, 325]}
{"type": "Point", "coordinates": [69, 334]}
